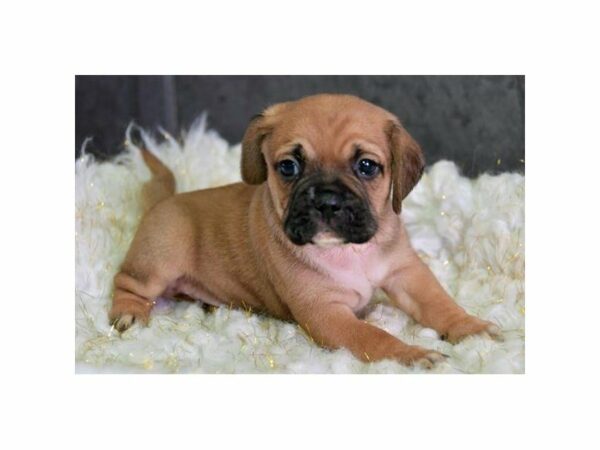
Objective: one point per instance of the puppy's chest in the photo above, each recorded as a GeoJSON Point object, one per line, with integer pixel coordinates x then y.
{"type": "Point", "coordinates": [359, 268]}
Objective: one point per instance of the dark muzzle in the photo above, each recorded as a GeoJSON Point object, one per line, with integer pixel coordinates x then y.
{"type": "Point", "coordinates": [320, 205]}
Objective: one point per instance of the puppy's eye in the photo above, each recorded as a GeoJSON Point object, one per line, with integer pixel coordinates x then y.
{"type": "Point", "coordinates": [367, 168]}
{"type": "Point", "coordinates": [288, 169]}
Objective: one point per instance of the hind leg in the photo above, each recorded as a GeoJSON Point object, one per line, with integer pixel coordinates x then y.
{"type": "Point", "coordinates": [133, 299]}
{"type": "Point", "coordinates": [161, 251]}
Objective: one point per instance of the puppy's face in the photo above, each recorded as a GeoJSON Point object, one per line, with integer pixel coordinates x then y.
{"type": "Point", "coordinates": [334, 165]}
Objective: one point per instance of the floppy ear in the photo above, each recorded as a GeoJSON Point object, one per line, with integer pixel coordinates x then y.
{"type": "Point", "coordinates": [254, 168]}
{"type": "Point", "coordinates": [408, 163]}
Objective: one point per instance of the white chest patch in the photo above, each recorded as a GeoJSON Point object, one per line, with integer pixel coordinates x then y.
{"type": "Point", "coordinates": [360, 268]}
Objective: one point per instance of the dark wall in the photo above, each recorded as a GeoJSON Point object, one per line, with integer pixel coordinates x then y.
{"type": "Point", "coordinates": [476, 121]}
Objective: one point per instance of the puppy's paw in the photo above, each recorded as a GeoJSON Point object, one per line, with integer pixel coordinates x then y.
{"type": "Point", "coordinates": [123, 322]}
{"type": "Point", "coordinates": [469, 326]}
{"type": "Point", "coordinates": [430, 359]}
{"type": "Point", "coordinates": [421, 357]}
{"type": "Point", "coordinates": [123, 314]}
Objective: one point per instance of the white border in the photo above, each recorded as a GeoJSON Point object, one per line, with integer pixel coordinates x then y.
{"type": "Point", "coordinates": [46, 43]}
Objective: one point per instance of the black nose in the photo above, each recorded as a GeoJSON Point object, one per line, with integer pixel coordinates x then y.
{"type": "Point", "coordinates": [328, 202]}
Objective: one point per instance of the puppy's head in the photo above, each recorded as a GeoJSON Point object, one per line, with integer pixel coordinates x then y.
{"type": "Point", "coordinates": [334, 165]}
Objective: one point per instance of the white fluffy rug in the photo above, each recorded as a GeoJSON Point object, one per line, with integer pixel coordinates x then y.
{"type": "Point", "coordinates": [470, 232]}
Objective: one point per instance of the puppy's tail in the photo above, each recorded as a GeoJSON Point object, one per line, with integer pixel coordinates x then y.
{"type": "Point", "coordinates": [162, 183]}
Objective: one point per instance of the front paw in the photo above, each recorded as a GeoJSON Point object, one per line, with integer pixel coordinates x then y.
{"type": "Point", "coordinates": [469, 326]}
{"type": "Point", "coordinates": [418, 356]}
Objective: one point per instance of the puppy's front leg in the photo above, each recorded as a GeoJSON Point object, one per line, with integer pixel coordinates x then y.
{"type": "Point", "coordinates": [415, 290]}
{"type": "Point", "coordinates": [334, 325]}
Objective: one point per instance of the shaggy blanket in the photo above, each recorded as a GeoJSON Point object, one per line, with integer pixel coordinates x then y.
{"type": "Point", "coordinates": [470, 232]}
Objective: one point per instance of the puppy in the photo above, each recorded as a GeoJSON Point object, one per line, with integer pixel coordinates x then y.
{"type": "Point", "coordinates": [308, 236]}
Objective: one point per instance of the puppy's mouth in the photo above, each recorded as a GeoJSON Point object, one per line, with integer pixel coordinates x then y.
{"type": "Point", "coordinates": [327, 214]}
{"type": "Point", "coordinates": [327, 239]}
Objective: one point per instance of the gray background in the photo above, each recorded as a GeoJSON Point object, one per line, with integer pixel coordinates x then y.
{"type": "Point", "coordinates": [475, 121]}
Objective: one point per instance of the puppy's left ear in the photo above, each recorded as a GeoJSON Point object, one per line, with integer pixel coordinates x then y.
{"type": "Point", "coordinates": [408, 162]}
{"type": "Point", "coordinates": [254, 167]}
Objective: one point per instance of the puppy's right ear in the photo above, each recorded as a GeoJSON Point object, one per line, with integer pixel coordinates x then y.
{"type": "Point", "coordinates": [254, 167]}
{"type": "Point", "coordinates": [407, 162]}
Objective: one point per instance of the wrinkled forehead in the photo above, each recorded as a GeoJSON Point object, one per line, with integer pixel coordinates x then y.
{"type": "Point", "coordinates": [328, 129]}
